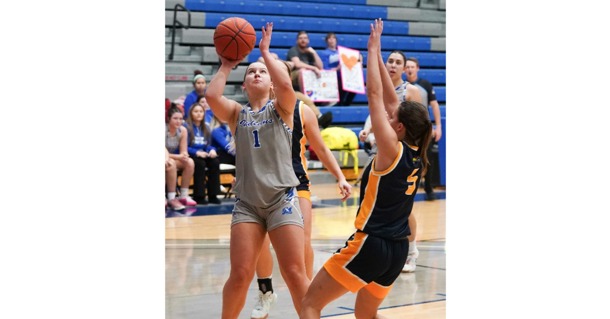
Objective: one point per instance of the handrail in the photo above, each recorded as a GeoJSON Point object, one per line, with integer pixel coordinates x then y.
{"type": "Point", "coordinates": [176, 22]}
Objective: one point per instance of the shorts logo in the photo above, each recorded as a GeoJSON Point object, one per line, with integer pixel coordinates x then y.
{"type": "Point", "coordinates": [287, 211]}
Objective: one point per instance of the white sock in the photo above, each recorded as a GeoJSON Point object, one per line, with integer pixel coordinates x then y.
{"type": "Point", "coordinates": [412, 246]}
{"type": "Point", "coordinates": [184, 192]}
{"type": "Point", "coordinates": [171, 195]}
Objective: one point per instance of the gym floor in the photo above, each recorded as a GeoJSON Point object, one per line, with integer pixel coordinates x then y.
{"type": "Point", "coordinates": [197, 260]}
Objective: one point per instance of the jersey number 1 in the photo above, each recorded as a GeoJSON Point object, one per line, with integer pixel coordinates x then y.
{"type": "Point", "coordinates": [257, 144]}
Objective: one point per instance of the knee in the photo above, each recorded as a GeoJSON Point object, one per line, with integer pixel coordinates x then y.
{"type": "Point", "coordinates": [293, 274]}
{"type": "Point", "coordinates": [242, 275]}
{"type": "Point", "coordinates": [308, 304]}
{"type": "Point", "coordinates": [190, 163]}
{"type": "Point", "coordinates": [172, 166]}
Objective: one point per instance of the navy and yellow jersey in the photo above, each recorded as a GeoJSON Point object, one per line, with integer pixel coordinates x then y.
{"type": "Point", "coordinates": [299, 162]}
{"type": "Point", "coordinates": [387, 196]}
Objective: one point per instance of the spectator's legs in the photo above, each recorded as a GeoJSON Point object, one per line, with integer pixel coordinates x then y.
{"type": "Point", "coordinates": [199, 179]}
{"type": "Point", "coordinates": [171, 177]}
{"type": "Point", "coordinates": [213, 165]}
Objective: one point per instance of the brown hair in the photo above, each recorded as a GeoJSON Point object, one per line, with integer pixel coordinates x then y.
{"type": "Point", "coordinates": [418, 128]}
{"type": "Point", "coordinates": [413, 59]}
{"type": "Point", "coordinates": [203, 126]}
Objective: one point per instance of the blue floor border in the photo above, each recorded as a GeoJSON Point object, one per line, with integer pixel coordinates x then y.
{"type": "Point", "coordinates": [226, 206]}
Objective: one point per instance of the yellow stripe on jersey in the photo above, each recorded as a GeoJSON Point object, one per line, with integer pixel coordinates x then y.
{"type": "Point", "coordinates": [303, 140]}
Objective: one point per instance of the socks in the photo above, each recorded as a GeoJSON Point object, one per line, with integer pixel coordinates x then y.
{"type": "Point", "coordinates": [171, 195]}
{"type": "Point", "coordinates": [184, 192]}
{"type": "Point", "coordinates": [264, 285]}
{"type": "Point", "coordinates": [412, 247]}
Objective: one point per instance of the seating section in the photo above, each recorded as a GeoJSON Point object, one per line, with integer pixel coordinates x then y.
{"type": "Point", "coordinates": [415, 27]}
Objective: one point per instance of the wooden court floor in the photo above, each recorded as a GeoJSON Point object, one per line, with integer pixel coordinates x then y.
{"type": "Point", "coordinates": [197, 261]}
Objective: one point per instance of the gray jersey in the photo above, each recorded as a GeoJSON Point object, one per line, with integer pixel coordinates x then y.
{"type": "Point", "coordinates": [263, 157]}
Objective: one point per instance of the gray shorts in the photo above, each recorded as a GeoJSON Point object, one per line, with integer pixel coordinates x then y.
{"type": "Point", "coordinates": [285, 211]}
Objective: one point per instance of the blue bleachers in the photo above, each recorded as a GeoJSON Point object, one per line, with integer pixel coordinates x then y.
{"type": "Point", "coordinates": [310, 24]}
{"type": "Point", "coordinates": [438, 90]}
{"type": "Point", "coordinates": [426, 59]}
{"type": "Point", "coordinates": [361, 2]}
{"type": "Point", "coordinates": [354, 41]}
{"type": "Point", "coordinates": [356, 115]}
{"type": "Point", "coordinates": [434, 76]}
{"type": "Point", "coordinates": [350, 20]}
{"type": "Point", "coordinates": [348, 114]}
{"type": "Point", "coordinates": [289, 8]}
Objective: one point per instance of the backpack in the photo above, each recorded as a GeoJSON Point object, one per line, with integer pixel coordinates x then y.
{"type": "Point", "coordinates": [339, 138]}
{"type": "Point", "coordinates": [344, 140]}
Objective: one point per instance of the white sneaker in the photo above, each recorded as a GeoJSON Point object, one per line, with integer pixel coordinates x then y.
{"type": "Point", "coordinates": [411, 263]}
{"type": "Point", "coordinates": [264, 304]}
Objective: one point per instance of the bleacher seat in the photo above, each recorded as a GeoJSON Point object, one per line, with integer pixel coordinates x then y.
{"type": "Point", "coordinates": [415, 27]}
{"type": "Point", "coordinates": [426, 59]}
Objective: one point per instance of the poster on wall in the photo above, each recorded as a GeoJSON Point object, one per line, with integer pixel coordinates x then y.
{"type": "Point", "coordinates": [352, 75]}
{"type": "Point", "coordinates": [322, 89]}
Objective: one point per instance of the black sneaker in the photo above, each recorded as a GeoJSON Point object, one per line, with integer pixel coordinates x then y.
{"type": "Point", "coordinates": [430, 196]}
{"type": "Point", "coordinates": [214, 200]}
{"type": "Point", "coordinates": [200, 200]}
{"type": "Point", "coordinates": [325, 119]}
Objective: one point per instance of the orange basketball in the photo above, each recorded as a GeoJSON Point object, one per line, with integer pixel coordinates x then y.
{"type": "Point", "coordinates": [234, 38]}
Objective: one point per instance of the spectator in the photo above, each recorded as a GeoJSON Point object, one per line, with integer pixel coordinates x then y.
{"type": "Point", "coordinates": [331, 61]}
{"type": "Point", "coordinates": [429, 99]}
{"type": "Point", "coordinates": [176, 145]}
{"type": "Point", "coordinates": [222, 141]}
{"type": "Point", "coordinates": [199, 85]}
{"type": "Point", "coordinates": [204, 156]}
{"type": "Point", "coordinates": [303, 57]}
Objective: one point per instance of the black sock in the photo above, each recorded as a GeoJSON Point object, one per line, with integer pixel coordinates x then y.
{"type": "Point", "coordinates": [264, 285]}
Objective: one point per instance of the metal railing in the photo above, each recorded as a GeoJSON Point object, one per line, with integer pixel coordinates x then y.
{"type": "Point", "coordinates": [180, 24]}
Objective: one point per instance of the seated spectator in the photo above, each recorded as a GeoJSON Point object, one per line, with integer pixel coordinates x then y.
{"type": "Point", "coordinates": [204, 156]}
{"type": "Point", "coordinates": [199, 85]}
{"type": "Point", "coordinates": [209, 115]}
{"type": "Point", "coordinates": [331, 61]}
{"type": "Point", "coordinates": [176, 145]}
{"type": "Point", "coordinates": [222, 141]}
{"type": "Point", "coordinates": [303, 57]}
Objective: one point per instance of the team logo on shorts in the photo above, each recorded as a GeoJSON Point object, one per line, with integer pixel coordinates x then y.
{"type": "Point", "coordinates": [287, 211]}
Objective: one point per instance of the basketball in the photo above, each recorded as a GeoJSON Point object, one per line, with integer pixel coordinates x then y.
{"type": "Point", "coordinates": [234, 38]}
